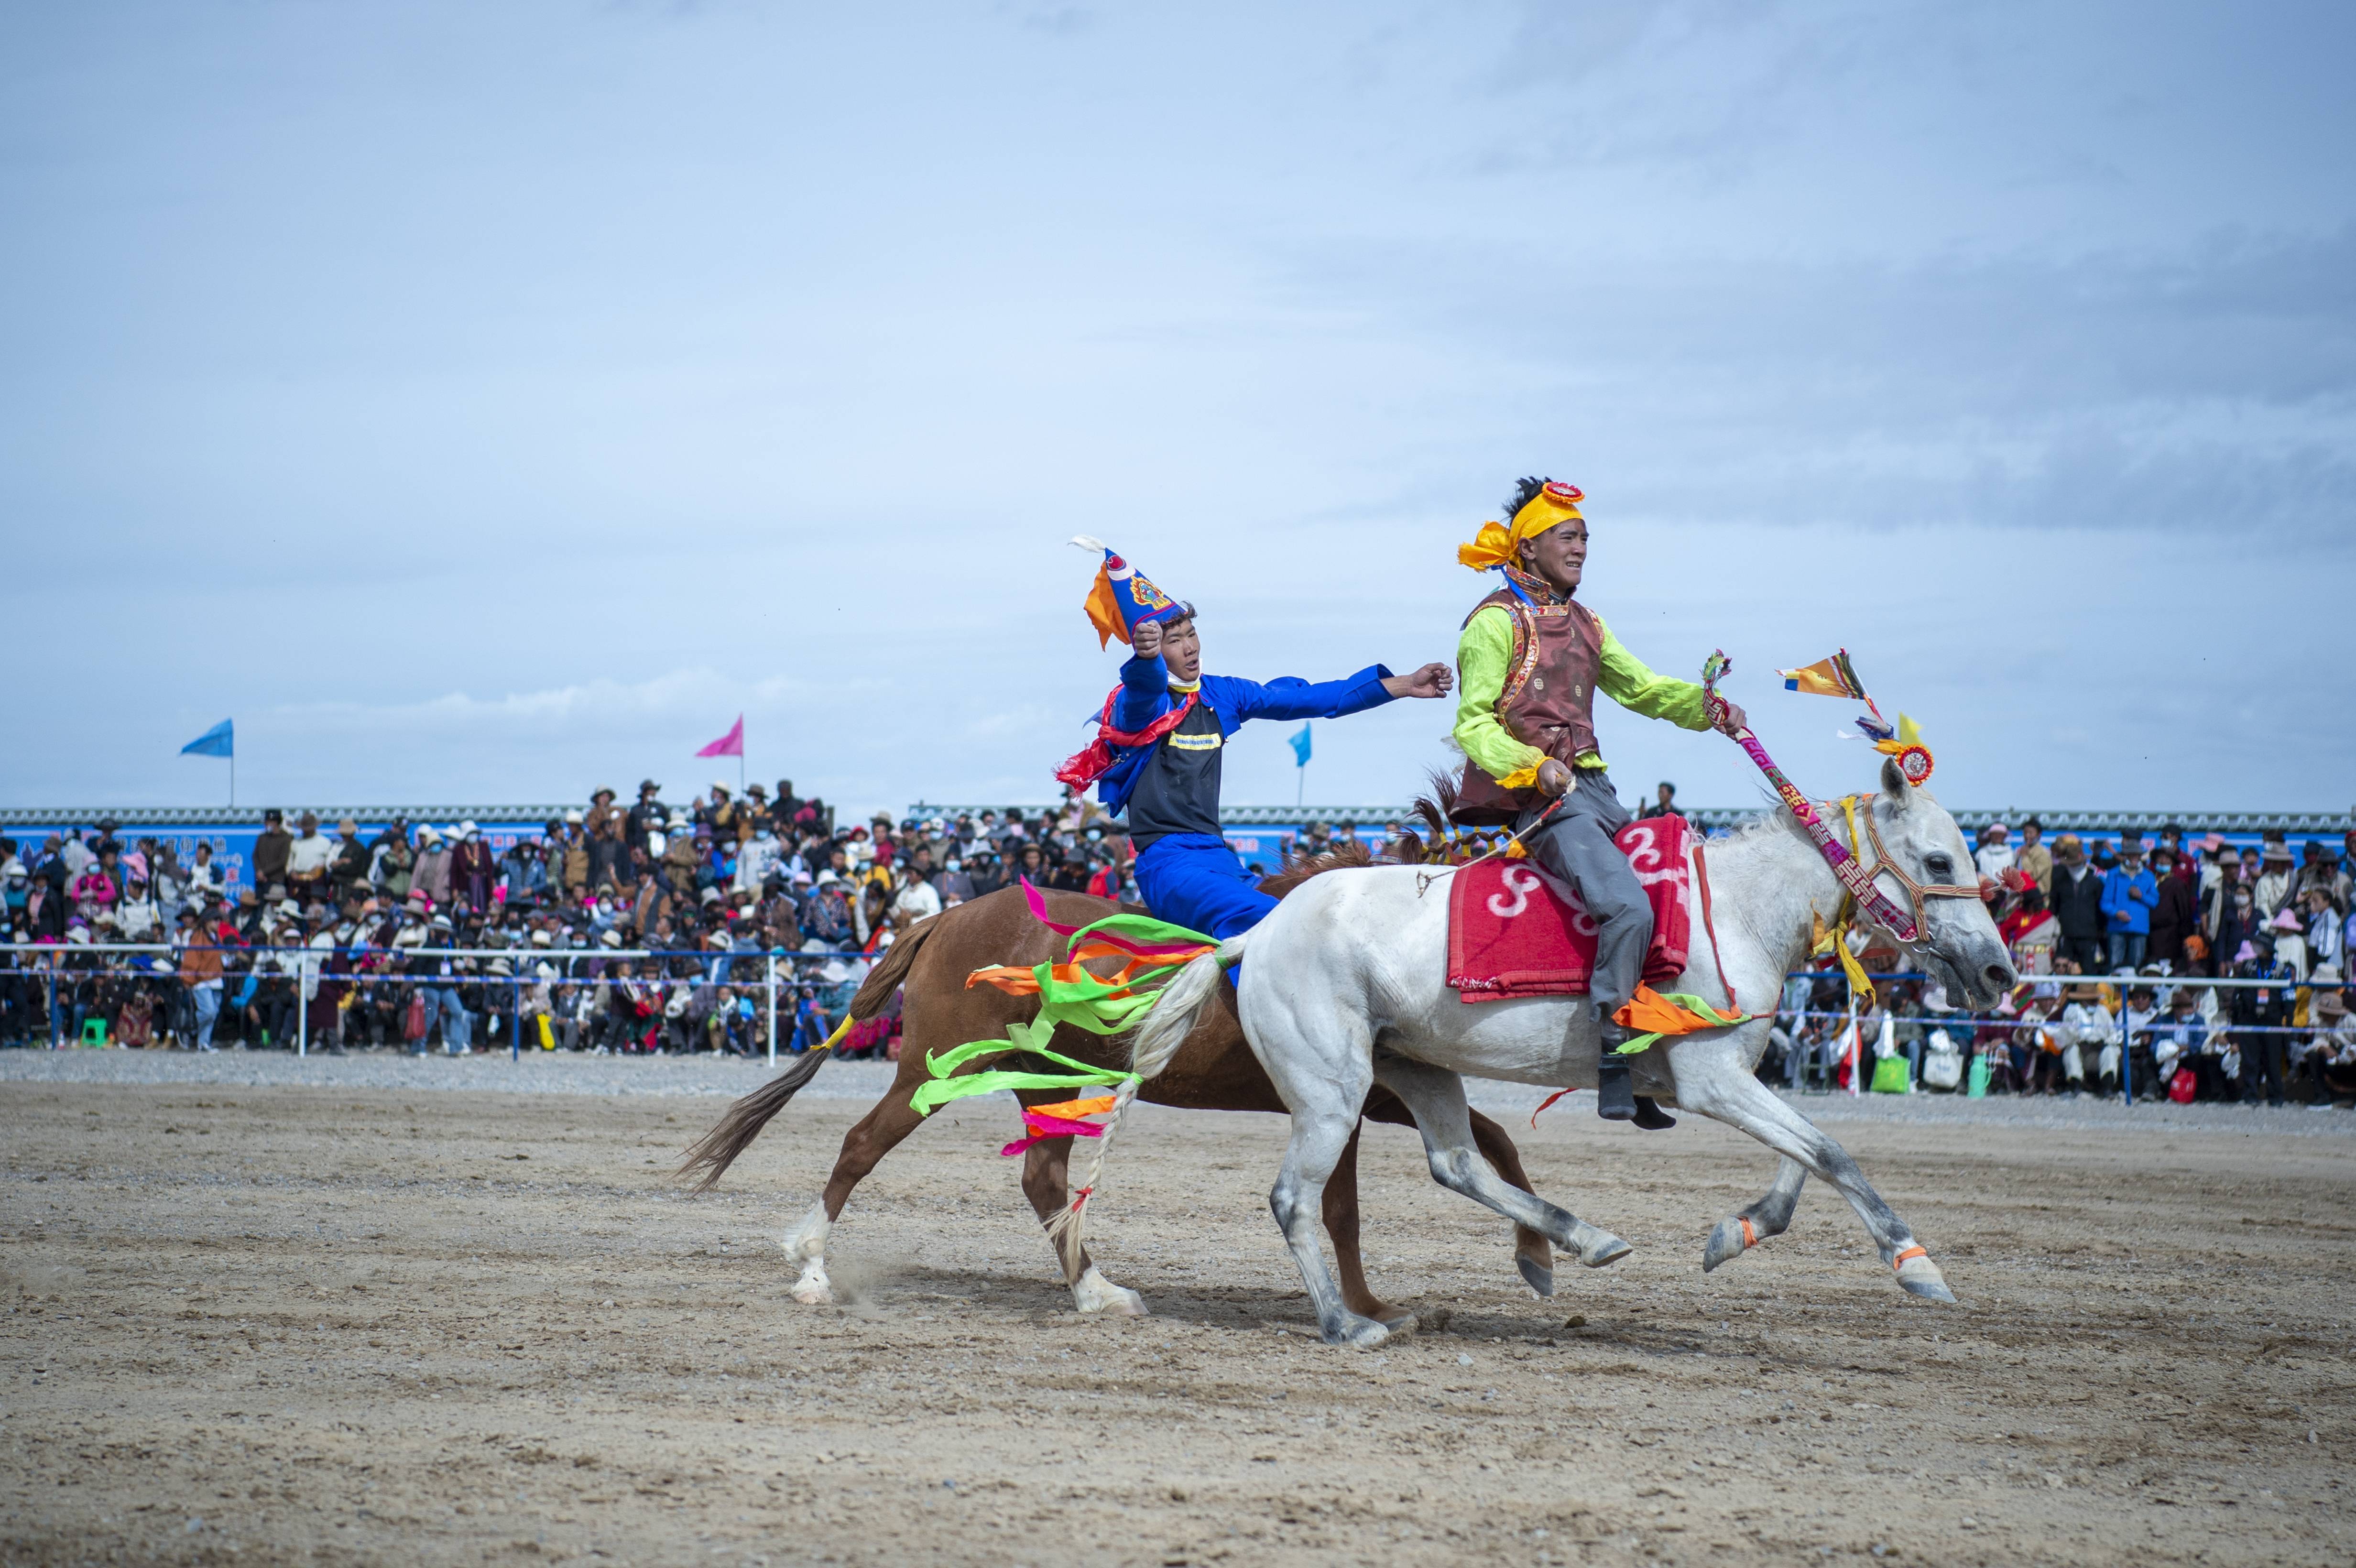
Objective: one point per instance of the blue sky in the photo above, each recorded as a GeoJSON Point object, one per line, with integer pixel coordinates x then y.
{"type": "Point", "coordinates": [489, 402]}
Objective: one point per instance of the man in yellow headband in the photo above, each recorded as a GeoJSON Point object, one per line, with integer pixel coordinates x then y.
{"type": "Point", "coordinates": [1529, 662]}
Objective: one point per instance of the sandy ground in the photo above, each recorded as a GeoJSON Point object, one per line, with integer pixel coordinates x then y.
{"type": "Point", "coordinates": [260, 1324]}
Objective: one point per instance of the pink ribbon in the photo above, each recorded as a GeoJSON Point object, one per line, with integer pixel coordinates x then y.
{"type": "Point", "coordinates": [1110, 939]}
{"type": "Point", "coordinates": [1043, 1126]}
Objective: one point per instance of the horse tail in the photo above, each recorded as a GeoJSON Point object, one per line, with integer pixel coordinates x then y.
{"type": "Point", "coordinates": [1164, 1028]}
{"type": "Point", "coordinates": [717, 1150]}
{"type": "Point", "coordinates": [875, 991]}
{"type": "Point", "coordinates": [1179, 1008]}
{"type": "Point", "coordinates": [708, 1159]}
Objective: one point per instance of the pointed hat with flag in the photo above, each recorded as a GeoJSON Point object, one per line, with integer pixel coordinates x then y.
{"type": "Point", "coordinates": [1123, 599]}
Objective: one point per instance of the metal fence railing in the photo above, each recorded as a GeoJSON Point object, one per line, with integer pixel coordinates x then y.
{"type": "Point", "coordinates": [776, 972]}
{"type": "Point", "coordinates": [2161, 987]}
{"type": "Point", "coordinates": [309, 967]}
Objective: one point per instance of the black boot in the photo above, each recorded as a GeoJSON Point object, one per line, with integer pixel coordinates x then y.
{"type": "Point", "coordinates": [1615, 1098]}
{"type": "Point", "coordinates": [1651, 1117]}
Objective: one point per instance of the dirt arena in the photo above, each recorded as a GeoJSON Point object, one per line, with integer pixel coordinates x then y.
{"type": "Point", "coordinates": [259, 1325]}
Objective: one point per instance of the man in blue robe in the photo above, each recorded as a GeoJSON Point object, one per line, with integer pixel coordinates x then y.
{"type": "Point", "coordinates": [1162, 737]}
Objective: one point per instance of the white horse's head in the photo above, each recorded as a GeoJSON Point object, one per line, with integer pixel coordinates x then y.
{"type": "Point", "coordinates": [1957, 942]}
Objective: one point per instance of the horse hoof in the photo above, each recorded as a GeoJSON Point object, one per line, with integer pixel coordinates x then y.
{"type": "Point", "coordinates": [1358, 1333]}
{"type": "Point", "coordinates": [1536, 1274]}
{"type": "Point", "coordinates": [813, 1289]}
{"type": "Point", "coordinates": [1726, 1243]}
{"type": "Point", "coordinates": [1918, 1275]}
{"type": "Point", "coordinates": [1095, 1293]}
{"type": "Point", "coordinates": [1399, 1320]}
{"type": "Point", "coordinates": [1600, 1249]}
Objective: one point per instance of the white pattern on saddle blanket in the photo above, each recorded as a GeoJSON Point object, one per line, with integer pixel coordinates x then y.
{"type": "Point", "coordinates": [1522, 879]}
{"type": "Point", "coordinates": [1644, 859]}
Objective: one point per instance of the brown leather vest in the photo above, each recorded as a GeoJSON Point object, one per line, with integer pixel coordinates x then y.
{"type": "Point", "coordinates": [1549, 700]}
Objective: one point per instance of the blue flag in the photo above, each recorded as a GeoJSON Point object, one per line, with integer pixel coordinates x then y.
{"type": "Point", "coordinates": [220, 741]}
{"type": "Point", "coordinates": [1301, 748]}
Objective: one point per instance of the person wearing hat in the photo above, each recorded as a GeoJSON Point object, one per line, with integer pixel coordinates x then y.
{"type": "Point", "coordinates": [392, 862]}
{"type": "Point", "coordinates": [2035, 859]}
{"type": "Point", "coordinates": [570, 871]}
{"type": "Point", "coordinates": [2082, 1021]}
{"type": "Point", "coordinates": [2130, 892]}
{"type": "Point", "coordinates": [1995, 855]}
{"type": "Point", "coordinates": [2178, 1037]}
{"type": "Point", "coordinates": [609, 855]}
{"type": "Point", "coordinates": [720, 816]}
{"type": "Point", "coordinates": [1160, 738]}
{"type": "Point", "coordinates": [308, 859]}
{"type": "Point", "coordinates": [646, 817]}
{"type": "Point", "coordinates": [473, 869]}
{"type": "Point", "coordinates": [2277, 875]}
{"type": "Point", "coordinates": [523, 870]}
{"type": "Point", "coordinates": [137, 917]}
{"type": "Point", "coordinates": [271, 847]}
{"type": "Point", "coordinates": [430, 876]}
{"type": "Point", "coordinates": [601, 807]}
{"type": "Point", "coordinates": [2289, 934]}
{"type": "Point", "coordinates": [348, 865]}
{"type": "Point", "coordinates": [1532, 657]}
{"type": "Point", "coordinates": [2259, 1013]}
{"type": "Point", "coordinates": [2330, 1058]}
{"type": "Point", "coordinates": [2313, 868]}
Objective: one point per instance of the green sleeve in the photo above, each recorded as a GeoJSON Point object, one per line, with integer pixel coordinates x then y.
{"type": "Point", "coordinates": [1482, 654]}
{"type": "Point", "coordinates": [1626, 681]}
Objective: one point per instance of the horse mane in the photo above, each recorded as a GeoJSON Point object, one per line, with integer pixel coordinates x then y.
{"type": "Point", "coordinates": [1346, 857]}
{"type": "Point", "coordinates": [1440, 843]}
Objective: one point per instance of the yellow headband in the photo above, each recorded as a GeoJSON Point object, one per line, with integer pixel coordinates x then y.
{"type": "Point", "coordinates": [1498, 545]}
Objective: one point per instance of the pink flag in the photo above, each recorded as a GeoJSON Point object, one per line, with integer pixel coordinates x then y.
{"type": "Point", "coordinates": [731, 745]}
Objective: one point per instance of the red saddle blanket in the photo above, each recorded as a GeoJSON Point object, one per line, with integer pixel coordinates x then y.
{"type": "Point", "coordinates": [1513, 930]}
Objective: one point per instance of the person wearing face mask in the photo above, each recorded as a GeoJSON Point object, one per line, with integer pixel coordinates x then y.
{"type": "Point", "coordinates": [756, 858]}
{"type": "Point", "coordinates": [953, 884]}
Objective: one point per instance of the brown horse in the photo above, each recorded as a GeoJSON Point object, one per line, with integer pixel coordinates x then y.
{"type": "Point", "coordinates": [1214, 1070]}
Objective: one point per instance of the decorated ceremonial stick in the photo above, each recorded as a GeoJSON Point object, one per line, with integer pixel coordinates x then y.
{"type": "Point", "coordinates": [1845, 865]}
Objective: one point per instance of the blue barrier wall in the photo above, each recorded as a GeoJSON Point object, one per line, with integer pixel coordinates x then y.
{"type": "Point", "coordinates": [233, 843]}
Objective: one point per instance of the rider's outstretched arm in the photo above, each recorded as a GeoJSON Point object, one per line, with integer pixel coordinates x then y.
{"type": "Point", "coordinates": [1288, 697]}
{"type": "Point", "coordinates": [1624, 678]}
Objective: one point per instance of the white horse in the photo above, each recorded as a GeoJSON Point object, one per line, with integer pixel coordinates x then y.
{"type": "Point", "coordinates": [1346, 986]}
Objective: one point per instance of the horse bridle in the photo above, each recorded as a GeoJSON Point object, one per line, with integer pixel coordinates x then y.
{"type": "Point", "coordinates": [1885, 864]}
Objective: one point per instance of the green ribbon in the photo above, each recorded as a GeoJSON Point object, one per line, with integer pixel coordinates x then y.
{"type": "Point", "coordinates": [1142, 928]}
{"type": "Point", "coordinates": [1086, 1003]}
{"type": "Point", "coordinates": [1691, 1003]}
{"type": "Point", "coordinates": [947, 1084]}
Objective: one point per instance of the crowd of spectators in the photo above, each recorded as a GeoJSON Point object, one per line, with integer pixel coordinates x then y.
{"type": "Point", "coordinates": [649, 927]}
{"type": "Point", "coordinates": [630, 929]}
{"type": "Point", "coordinates": [2119, 945]}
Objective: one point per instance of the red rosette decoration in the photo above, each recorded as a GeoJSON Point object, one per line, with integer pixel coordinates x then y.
{"type": "Point", "coordinates": [1914, 761]}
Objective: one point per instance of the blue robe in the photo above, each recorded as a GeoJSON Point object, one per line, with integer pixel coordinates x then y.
{"type": "Point", "coordinates": [1194, 879]}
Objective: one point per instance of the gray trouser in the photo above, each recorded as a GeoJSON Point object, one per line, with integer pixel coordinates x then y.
{"type": "Point", "coordinates": [1575, 845]}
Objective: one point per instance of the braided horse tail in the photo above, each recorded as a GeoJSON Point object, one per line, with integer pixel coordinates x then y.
{"type": "Point", "coordinates": [1164, 1028]}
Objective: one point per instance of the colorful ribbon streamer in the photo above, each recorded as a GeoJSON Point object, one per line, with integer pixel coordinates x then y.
{"type": "Point", "coordinates": [1068, 994]}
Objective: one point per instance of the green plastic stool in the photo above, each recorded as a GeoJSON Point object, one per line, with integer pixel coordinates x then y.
{"type": "Point", "coordinates": [93, 1031]}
